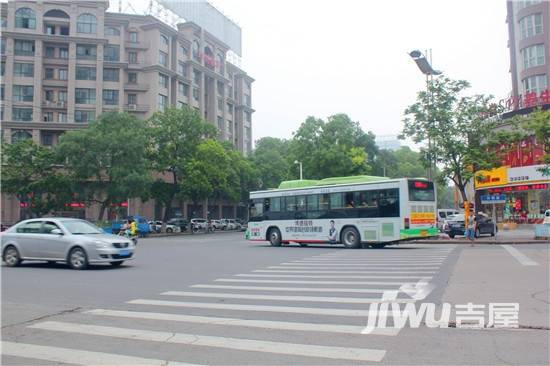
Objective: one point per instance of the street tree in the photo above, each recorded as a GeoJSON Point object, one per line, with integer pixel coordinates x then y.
{"type": "Point", "coordinates": [271, 160]}
{"type": "Point", "coordinates": [457, 128]}
{"type": "Point", "coordinates": [108, 160]}
{"type": "Point", "coordinates": [176, 134]}
{"type": "Point", "coordinates": [31, 173]}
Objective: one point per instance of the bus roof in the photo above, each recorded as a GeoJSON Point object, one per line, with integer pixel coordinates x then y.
{"type": "Point", "coordinates": [290, 184]}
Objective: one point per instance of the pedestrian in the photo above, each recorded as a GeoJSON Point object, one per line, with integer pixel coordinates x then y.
{"type": "Point", "coordinates": [471, 228]}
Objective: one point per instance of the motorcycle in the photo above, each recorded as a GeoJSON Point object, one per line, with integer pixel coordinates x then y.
{"type": "Point", "coordinates": [133, 238]}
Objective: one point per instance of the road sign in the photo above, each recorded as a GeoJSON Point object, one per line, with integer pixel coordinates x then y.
{"type": "Point", "coordinates": [493, 198]}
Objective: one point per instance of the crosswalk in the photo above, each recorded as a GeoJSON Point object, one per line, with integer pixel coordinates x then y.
{"type": "Point", "coordinates": [307, 311]}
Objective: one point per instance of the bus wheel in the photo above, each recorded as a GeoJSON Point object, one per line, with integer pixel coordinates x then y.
{"type": "Point", "coordinates": [350, 238]}
{"type": "Point", "coordinates": [303, 244]}
{"type": "Point", "coordinates": [275, 237]}
{"type": "Point", "coordinates": [378, 245]}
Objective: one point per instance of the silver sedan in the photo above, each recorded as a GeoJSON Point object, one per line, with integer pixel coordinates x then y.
{"type": "Point", "coordinates": [73, 241]}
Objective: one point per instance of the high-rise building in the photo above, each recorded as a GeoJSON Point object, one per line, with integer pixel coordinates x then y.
{"type": "Point", "coordinates": [529, 44]}
{"type": "Point", "coordinates": [66, 62]}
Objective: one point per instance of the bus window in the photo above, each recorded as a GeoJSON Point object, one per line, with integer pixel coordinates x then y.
{"type": "Point", "coordinates": [349, 200]}
{"type": "Point", "coordinates": [313, 202]}
{"type": "Point", "coordinates": [389, 202]}
{"type": "Point", "coordinates": [290, 203]}
{"type": "Point", "coordinates": [336, 201]}
{"type": "Point", "coordinates": [276, 204]}
{"type": "Point", "coordinates": [256, 209]}
{"type": "Point", "coordinates": [267, 204]}
{"type": "Point", "coordinates": [300, 203]}
{"type": "Point", "coordinates": [323, 202]}
{"type": "Point", "coordinates": [368, 204]}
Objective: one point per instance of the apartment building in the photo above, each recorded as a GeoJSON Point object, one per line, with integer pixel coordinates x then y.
{"type": "Point", "coordinates": [63, 63]}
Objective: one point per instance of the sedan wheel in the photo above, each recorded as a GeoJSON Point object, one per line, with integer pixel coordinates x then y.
{"type": "Point", "coordinates": [11, 257]}
{"type": "Point", "coordinates": [78, 259]}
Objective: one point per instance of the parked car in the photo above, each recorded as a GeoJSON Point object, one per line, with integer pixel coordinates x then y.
{"type": "Point", "coordinates": [199, 224]}
{"type": "Point", "coordinates": [547, 217]}
{"type": "Point", "coordinates": [142, 225]}
{"type": "Point", "coordinates": [234, 224]}
{"type": "Point", "coordinates": [217, 224]}
{"type": "Point", "coordinates": [179, 222]}
{"type": "Point", "coordinates": [229, 224]}
{"type": "Point", "coordinates": [76, 242]}
{"type": "Point", "coordinates": [454, 225]}
{"type": "Point", "coordinates": [156, 226]}
{"type": "Point", "coordinates": [442, 215]}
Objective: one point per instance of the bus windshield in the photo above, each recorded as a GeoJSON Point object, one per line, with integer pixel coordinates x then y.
{"type": "Point", "coordinates": [420, 190]}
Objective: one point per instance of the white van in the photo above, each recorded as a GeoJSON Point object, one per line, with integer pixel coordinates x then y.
{"type": "Point", "coordinates": [442, 214]}
{"type": "Point", "coordinates": [547, 217]}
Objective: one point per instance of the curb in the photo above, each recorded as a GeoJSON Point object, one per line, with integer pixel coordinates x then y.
{"type": "Point", "coordinates": [467, 242]}
{"type": "Point", "coordinates": [163, 235]}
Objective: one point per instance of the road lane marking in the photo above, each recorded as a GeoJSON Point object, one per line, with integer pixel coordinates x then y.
{"type": "Point", "coordinates": [264, 324]}
{"type": "Point", "coordinates": [343, 266]}
{"type": "Point", "coordinates": [77, 357]}
{"type": "Point", "coordinates": [342, 272]}
{"type": "Point", "coordinates": [322, 276]}
{"type": "Point", "coordinates": [343, 300]}
{"type": "Point", "coordinates": [312, 282]}
{"type": "Point", "coordinates": [300, 289]}
{"type": "Point", "coordinates": [520, 257]}
{"type": "Point", "coordinates": [374, 264]}
{"type": "Point", "coordinates": [249, 345]}
{"type": "Point", "coordinates": [261, 308]}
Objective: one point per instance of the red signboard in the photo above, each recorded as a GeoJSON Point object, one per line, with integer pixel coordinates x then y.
{"type": "Point", "coordinates": [523, 187]}
{"type": "Point", "coordinates": [525, 153]}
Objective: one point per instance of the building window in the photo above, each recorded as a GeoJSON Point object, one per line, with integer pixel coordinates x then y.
{"type": "Point", "coordinates": [62, 95]}
{"type": "Point", "coordinates": [4, 22]}
{"type": "Point", "coordinates": [196, 77]}
{"type": "Point", "coordinates": [183, 50]}
{"type": "Point", "coordinates": [2, 46]}
{"type": "Point", "coordinates": [182, 69]}
{"type": "Point", "coordinates": [183, 89]}
{"type": "Point", "coordinates": [25, 18]}
{"type": "Point", "coordinates": [46, 138]}
{"type": "Point", "coordinates": [85, 73]}
{"type": "Point", "coordinates": [84, 116]}
{"type": "Point", "coordinates": [110, 97]}
{"type": "Point", "coordinates": [24, 70]}
{"type": "Point", "coordinates": [110, 74]}
{"type": "Point", "coordinates": [247, 133]}
{"type": "Point", "coordinates": [48, 117]}
{"type": "Point", "coordinates": [49, 95]}
{"type": "Point", "coordinates": [49, 73]}
{"type": "Point", "coordinates": [84, 96]}
{"type": "Point", "coordinates": [21, 114]}
{"type": "Point", "coordinates": [525, 4]}
{"type": "Point", "coordinates": [112, 53]}
{"type": "Point", "coordinates": [86, 52]}
{"type": "Point", "coordinates": [132, 57]}
{"type": "Point", "coordinates": [64, 31]}
{"type": "Point", "coordinates": [248, 116]}
{"type": "Point", "coordinates": [533, 56]}
{"type": "Point", "coordinates": [86, 23]}
{"type": "Point", "coordinates": [2, 68]}
{"type": "Point", "coordinates": [112, 31]}
{"type": "Point", "coordinates": [220, 104]}
{"type": "Point", "coordinates": [163, 40]}
{"type": "Point", "coordinates": [50, 52]}
{"type": "Point", "coordinates": [23, 93]}
{"type": "Point", "coordinates": [247, 100]}
{"type": "Point", "coordinates": [530, 25]}
{"type": "Point", "coordinates": [230, 108]}
{"type": "Point", "coordinates": [63, 74]}
{"type": "Point", "coordinates": [64, 53]}
{"type": "Point", "coordinates": [133, 37]}
{"type": "Point", "coordinates": [2, 92]}
{"type": "Point", "coordinates": [163, 80]}
{"type": "Point", "coordinates": [62, 117]}
{"type": "Point", "coordinates": [23, 48]}
{"type": "Point", "coordinates": [162, 102]}
{"type": "Point", "coordinates": [220, 64]}
{"type": "Point", "coordinates": [132, 78]}
{"type": "Point", "coordinates": [535, 84]}
{"type": "Point", "coordinates": [220, 124]}
{"type": "Point", "coordinates": [163, 58]}
{"type": "Point", "coordinates": [132, 99]}
{"type": "Point", "coordinates": [50, 29]}
{"type": "Point", "coordinates": [195, 50]}
{"type": "Point", "coordinates": [196, 94]}
{"type": "Point", "coordinates": [20, 135]}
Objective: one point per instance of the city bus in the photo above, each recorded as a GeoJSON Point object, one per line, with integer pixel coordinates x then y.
{"type": "Point", "coordinates": [354, 211]}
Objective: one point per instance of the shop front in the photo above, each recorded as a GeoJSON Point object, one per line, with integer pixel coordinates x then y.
{"type": "Point", "coordinates": [526, 191]}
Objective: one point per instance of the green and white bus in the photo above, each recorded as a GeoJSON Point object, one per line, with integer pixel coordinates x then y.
{"type": "Point", "coordinates": [353, 211]}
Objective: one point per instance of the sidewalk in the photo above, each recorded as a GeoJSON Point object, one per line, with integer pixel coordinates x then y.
{"type": "Point", "coordinates": [518, 236]}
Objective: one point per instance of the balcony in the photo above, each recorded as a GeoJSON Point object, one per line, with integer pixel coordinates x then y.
{"type": "Point", "coordinates": [136, 87]}
{"type": "Point", "coordinates": [55, 60]}
{"type": "Point", "coordinates": [54, 82]}
{"type": "Point", "coordinates": [137, 45]}
{"type": "Point", "coordinates": [54, 105]}
{"type": "Point", "coordinates": [136, 107]}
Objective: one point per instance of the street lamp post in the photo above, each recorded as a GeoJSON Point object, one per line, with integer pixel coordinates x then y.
{"type": "Point", "coordinates": [426, 68]}
{"type": "Point", "coordinates": [299, 162]}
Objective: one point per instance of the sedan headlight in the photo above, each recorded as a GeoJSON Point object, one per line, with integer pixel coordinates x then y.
{"type": "Point", "coordinates": [102, 244]}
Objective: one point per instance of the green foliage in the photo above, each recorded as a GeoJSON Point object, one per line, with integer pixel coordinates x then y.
{"type": "Point", "coordinates": [271, 161]}
{"type": "Point", "coordinates": [29, 171]}
{"type": "Point", "coordinates": [457, 127]}
{"type": "Point", "coordinates": [108, 160]}
{"type": "Point", "coordinates": [400, 163]}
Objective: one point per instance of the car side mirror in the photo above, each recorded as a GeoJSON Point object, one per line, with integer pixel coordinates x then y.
{"type": "Point", "coordinates": [56, 232]}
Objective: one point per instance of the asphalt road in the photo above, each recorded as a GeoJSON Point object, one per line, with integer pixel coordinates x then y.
{"type": "Point", "coordinates": [218, 299]}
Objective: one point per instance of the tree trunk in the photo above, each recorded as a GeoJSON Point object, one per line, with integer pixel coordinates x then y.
{"type": "Point", "coordinates": [167, 210]}
{"type": "Point", "coordinates": [101, 212]}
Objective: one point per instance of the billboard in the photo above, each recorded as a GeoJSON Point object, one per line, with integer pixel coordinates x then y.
{"type": "Point", "coordinates": [209, 18]}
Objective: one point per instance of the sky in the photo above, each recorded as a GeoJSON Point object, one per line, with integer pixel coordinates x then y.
{"type": "Point", "coordinates": [318, 58]}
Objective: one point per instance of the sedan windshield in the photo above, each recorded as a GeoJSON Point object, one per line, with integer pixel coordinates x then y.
{"type": "Point", "coordinates": [81, 227]}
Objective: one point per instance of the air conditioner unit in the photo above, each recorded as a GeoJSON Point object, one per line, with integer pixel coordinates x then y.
{"type": "Point", "coordinates": [132, 107]}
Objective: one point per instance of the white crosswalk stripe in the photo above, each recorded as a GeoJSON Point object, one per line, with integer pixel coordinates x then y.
{"type": "Point", "coordinates": [337, 353]}
{"type": "Point", "coordinates": [352, 274]}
